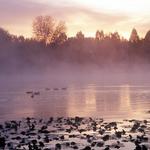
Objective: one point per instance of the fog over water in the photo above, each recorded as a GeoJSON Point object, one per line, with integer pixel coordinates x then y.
{"type": "Point", "coordinates": [108, 93]}
{"type": "Point", "coordinates": [105, 76]}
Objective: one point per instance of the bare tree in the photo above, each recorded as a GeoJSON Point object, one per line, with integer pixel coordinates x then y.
{"type": "Point", "coordinates": [45, 29]}
{"type": "Point", "coordinates": [59, 35]}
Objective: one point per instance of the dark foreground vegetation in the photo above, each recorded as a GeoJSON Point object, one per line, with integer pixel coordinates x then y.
{"type": "Point", "coordinates": [74, 133]}
{"type": "Point", "coordinates": [50, 46]}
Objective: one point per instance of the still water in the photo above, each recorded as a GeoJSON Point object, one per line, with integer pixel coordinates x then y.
{"type": "Point", "coordinates": [121, 101]}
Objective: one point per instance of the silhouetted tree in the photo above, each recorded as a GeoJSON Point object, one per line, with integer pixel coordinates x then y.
{"type": "Point", "coordinates": [99, 35]}
{"type": "Point", "coordinates": [134, 38]}
{"type": "Point", "coordinates": [59, 35]}
{"type": "Point", "coordinates": [115, 36]}
{"type": "Point", "coordinates": [80, 35]}
{"type": "Point", "coordinates": [20, 52]}
{"type": "Point", "coordinates": [21, 39]}
{"type": "Point", "coordinates": [4, 35]}
{"type": "Point", "coordinates": [147, 36]}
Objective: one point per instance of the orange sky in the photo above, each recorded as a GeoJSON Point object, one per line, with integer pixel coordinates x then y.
{"type": "Point", "coordinates": [87, 15]}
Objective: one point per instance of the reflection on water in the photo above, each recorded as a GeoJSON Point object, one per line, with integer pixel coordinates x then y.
{"type": "Point", "coordinates": [87, 100]}
{"type": "Point", "coordinates": [125, 99]}
{"type": "Point", "coordinates": [83, 103]}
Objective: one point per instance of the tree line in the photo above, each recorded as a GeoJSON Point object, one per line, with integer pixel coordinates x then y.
{"type": "Point", "coordinates": [50, 46]}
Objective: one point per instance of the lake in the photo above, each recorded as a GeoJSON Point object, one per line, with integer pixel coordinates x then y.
{"type": "Point", "coordinates": [88, 100]}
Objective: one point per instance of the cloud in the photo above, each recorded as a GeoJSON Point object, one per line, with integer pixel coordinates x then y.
{"type": "Point", "coordinates": [68, 12]}
{"type": "Point", "coordinates": [15, 11]}
{"type": "Point", "coordinates": [22, 10]}
{"type": "Point", "coordinates": [88, 20]}
{"type": "Point", "coordinates": [17, 16]}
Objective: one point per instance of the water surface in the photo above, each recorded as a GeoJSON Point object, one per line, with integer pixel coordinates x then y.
{"type": "Point", "coordinates": [111, 101]}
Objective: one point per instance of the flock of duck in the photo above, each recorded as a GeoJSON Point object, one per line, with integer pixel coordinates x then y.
{"type": "Point", "coordinates": [74, 133]}
{"type": "Point", "coordinates": [35, 93]}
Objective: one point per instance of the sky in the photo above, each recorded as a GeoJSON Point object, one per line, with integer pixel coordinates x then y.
{"type": "Point", "coordinates": [86, 15]}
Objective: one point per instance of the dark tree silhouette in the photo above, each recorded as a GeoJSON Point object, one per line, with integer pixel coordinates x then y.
{"type": "Point", "coordinates": [80, 35]}
{"type": "Point", "coordinates": [134, 37]}
{"type": "Point", "coordinates": [4, 35]}
{"type": "Point", "coordinates": [104, 50]}
{"type": "Point", "coordinates": [99, 35]}
{"type": "Point", "coordinates": [147, 36]}
{"type": "Point", "coordinates": [115, 36]}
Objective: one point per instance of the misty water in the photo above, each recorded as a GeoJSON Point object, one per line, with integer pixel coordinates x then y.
{"type": "Point", "coordinates": [78, 99]}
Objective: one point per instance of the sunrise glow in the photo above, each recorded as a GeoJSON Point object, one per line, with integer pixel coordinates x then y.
{"type": "Point", "coordinates": [85, 15]}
